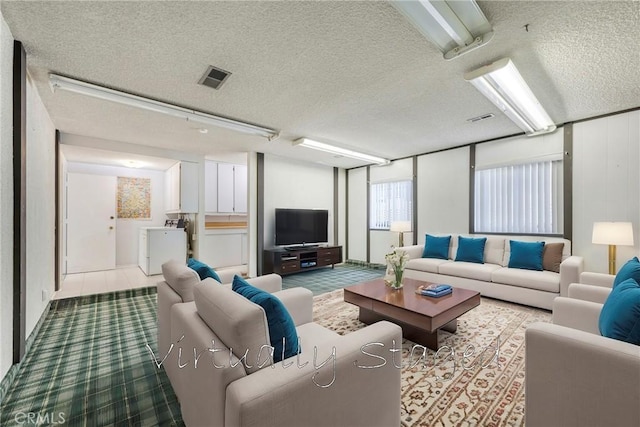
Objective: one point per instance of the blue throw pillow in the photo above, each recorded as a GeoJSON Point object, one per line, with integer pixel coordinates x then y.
{"type": "Point", "coordinates": [631, 270]}
{"type": "Point", "coordinates": [436, 247]}
{"type": "Point", "coordinates": [620, 315]}
{"type": "Point", "coordinates": [280, 323]}
{"type": "Point", "coordinates": [203, 270]}
{"type": "Point", "coordinates": [470, 249]}
{"type": "Point", "coordinates": [526, 255]}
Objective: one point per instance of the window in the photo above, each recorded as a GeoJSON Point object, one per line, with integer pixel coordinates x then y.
{"type": "Point", "coordinates": [521, 199]}
{"type": "Point", "coordinates": [390, 201]}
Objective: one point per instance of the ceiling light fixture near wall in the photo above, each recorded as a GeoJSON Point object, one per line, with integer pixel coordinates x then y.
{"type": "Point", "coordinates": [100, 92]}
{"type": "Point", "coordinates": [503, 85]}
{"type": "Point", "coordinates": [455, 26]}
{"type": "Point", "coordinates": [133, 163]}
{"type": "Point", "coordinates": [321, 146]}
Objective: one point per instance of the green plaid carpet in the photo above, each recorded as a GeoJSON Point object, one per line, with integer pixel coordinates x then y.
{"type": "Point", "coordinates": [327, 279]}
{"type": "Point", "coordinates": [89, 366]}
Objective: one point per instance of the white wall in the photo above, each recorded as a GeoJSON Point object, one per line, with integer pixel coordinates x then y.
{"type": "Point", "coordinates": [40, 257]}
{"type": "Point", "coordinates": [357, 221]}
{"type": "Point", "coordinates": [6, 198]}
{"type": "Point", "coordinates": [289, 184]}
{"type": "Point", "coordinates": [127, 230]}
{"type": "Point", "coordinates": [606, 184]}
{"type": "Point", "coordinates": [443, 192]}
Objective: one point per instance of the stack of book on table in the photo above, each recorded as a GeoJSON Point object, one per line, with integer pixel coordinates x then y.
{"type": "Point", "coordinates": [435, 290]}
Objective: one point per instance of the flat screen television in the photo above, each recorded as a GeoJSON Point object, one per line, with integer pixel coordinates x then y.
{"type": "Point", "coordinates": [301, 226]}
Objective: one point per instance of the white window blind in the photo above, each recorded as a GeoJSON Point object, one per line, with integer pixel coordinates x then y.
{"type": "Point", "coordinates": [390, 201]}
{"type": "Point", "coordinates": [522, 199]}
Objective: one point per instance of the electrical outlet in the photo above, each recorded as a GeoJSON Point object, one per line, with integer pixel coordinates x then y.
{"type": "Point", "coordinates": [45, 295]}
{"type": "Point", "coordinates": [194, 237]}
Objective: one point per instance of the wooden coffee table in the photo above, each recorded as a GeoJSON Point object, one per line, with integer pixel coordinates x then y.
{"type": "Point", "coordinates": [419, 316]}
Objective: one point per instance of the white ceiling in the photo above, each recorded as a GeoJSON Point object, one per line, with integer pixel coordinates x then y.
{"type": "Point", "coordinates": [354, 73]}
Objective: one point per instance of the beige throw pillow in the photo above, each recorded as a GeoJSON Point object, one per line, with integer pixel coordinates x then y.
{"type": "Point", "coordinates": [552, 256]}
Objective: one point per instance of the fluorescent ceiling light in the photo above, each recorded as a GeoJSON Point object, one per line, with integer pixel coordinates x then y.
{"type": "Point", "coordinates": [321, 146]}
{"type": "Point", "coordinates": [84, 88]}
{"type": "Point", "coordinates": [455, 26]}
{"type": "Point", "coordinates": [504, 86]}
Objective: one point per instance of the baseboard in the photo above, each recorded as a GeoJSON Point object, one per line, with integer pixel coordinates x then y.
{"type": "Point", "coordinates": [8, 379]}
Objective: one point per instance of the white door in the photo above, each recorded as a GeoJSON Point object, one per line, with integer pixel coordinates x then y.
{"type": "Point", "coordinates": [91, 223]}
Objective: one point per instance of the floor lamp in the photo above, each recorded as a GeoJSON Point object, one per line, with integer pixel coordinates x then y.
{"type": "Point", "coordinates": [400, 227]}
{"type": "Point", "coordinates": [612, 234]}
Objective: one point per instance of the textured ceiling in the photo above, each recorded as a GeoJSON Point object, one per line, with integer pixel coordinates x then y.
{"type": "Point", "coordinates": [353, 73]}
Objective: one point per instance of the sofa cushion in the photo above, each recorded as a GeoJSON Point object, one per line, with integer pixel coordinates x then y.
{"type": "Point", "coordinates": [552, 256]}
{"type": "Point", "coordinates": [620, 314]}
{"type": "Point", "coordinates": [526, 255]}
{"type": "Point", "coordinates": [470, 249]}
{"type": "Point", "coordinates": [547, 281]}
{"type": "Point", "coordinates": [282, 329]}
{"type": "Point", "coordinates": [425, 264]}
{"type": "Point", "coordinates": [203, 270]}
{"type": "Point", "coordinates": [630, 270]}
{"type": "Point", "coordinates": [470, 270]}
{"type": "Point", "coordinates": [436, 247]}
{"type": "Point", "coordinates": [180, 278]}
{"type": "Point", "coordinates": [239, 323]}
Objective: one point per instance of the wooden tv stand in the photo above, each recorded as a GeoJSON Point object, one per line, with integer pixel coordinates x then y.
{"type": "Point", "coordinates": [288, 260]}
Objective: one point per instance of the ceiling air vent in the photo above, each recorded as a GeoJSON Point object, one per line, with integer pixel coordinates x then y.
{"type": "Point", "coordinates": [214, 77]}
{"type": "Point", "coordinates": [479, 118]}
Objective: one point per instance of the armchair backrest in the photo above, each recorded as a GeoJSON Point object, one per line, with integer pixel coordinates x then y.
{"type": "Point", "coordinates": [240, 324]}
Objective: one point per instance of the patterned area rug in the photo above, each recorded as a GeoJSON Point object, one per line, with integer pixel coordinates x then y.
{"type": "Point", "coordinates": [477, 376]}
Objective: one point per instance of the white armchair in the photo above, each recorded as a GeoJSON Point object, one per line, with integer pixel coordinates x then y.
{"type": "Point", "coordinates": [575, 376]}
{"type": "Point", "coordinates": [594, 287]}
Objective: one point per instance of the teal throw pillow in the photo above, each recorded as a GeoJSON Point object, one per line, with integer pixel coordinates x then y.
{"type": "Point", "coordinates": [526, 255]}
{"type": "Point", "coordinates": [281, 326]}
{"type": "Point", "coordinates": [620, 315]}
{"type": "Point", "coordinates": [203, 270]}
{"type": "Point", "coordinates": [631, 270]}
{"type": "Point", "coordinates": [436, 247]}
{"type": "Point", "coordinates": [470, 249]}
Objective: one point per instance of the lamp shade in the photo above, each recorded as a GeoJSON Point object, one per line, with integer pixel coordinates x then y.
{"type": "Point", "coordinates": [400, 226]}
{"type": "Point", "coordinates": [612, 233]}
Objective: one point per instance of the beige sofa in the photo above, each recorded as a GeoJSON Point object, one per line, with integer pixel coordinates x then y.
{"type": "Point", "coordinates": [335, 381]}
{"type": "Point", "coordinates": [493, 278]}
{"type": "Point", "coordinates": [575, 376]}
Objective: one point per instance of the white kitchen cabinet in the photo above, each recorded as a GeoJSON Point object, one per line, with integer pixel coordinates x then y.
{"type": "Point", "coordinates": [232, 188]}
{"type": "Point", "coordinates": [181, 188]}
{"type": "Point", "coordinates": [158, 245]}
{"type": "Point", "coordinates": [210, 186]}
{"type": "Point", "coordinates": [224, 248]}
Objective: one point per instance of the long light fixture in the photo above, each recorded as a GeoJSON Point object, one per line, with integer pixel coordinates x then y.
{"type": "Point", "coordinates": [321, 146]}
{"type": "Point", "coordinates": [504, 86]}
{"type": "Point", "coordinates": [455, 26]}
{"type": "Point", "coordinates": [100, 92]}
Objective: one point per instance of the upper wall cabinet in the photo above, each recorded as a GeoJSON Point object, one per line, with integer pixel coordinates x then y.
{"type": "Point", "coordinates": [210, 186]}
{"type": "Point", "coordinates": [181, 188]}
{"type": "Point", "coordinates": [225, 188]}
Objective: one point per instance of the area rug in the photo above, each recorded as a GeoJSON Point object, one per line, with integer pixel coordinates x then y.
{"type": "Point", "coordinates": [477, 376]}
